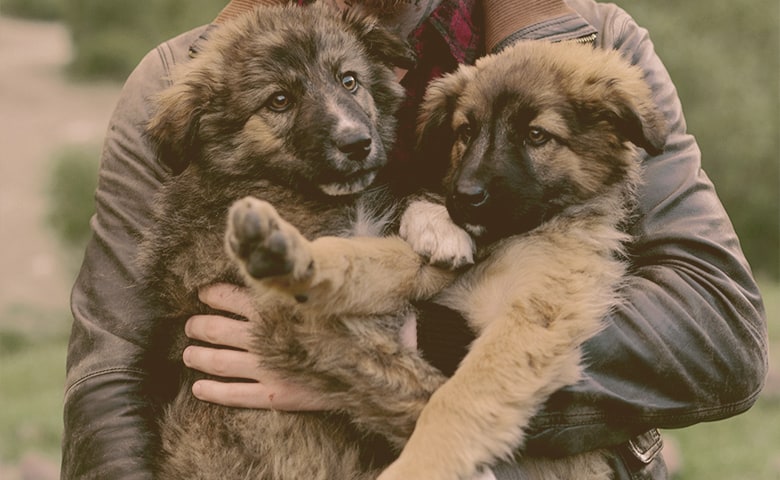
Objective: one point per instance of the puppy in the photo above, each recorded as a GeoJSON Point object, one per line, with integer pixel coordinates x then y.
{"type": "Point", "coordinates": [542, 172]}
{"type": "Point", "coordinates": [294, 105]}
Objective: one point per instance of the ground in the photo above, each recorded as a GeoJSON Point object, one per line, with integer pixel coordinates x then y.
{"type": "Point", "coordinates": [40, 112]}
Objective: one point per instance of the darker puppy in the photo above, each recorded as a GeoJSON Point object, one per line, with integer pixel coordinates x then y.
{"type": "Point", "coordinates": [294, 105]}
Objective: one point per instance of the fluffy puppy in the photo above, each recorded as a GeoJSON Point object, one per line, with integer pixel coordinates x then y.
{"type": "Point", "coordinates": [294, 105]}
{"type": "Point", "coordinates": [542, 171]}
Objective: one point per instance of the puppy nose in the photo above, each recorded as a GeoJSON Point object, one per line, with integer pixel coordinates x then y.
{"type": "Point", "coordinates": [355, 147]}
{"type": "Point", "coordinates": [471, 195]}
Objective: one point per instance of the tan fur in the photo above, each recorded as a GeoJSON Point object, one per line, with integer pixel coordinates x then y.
{"type": "Point", "coordinates": [533, 298]}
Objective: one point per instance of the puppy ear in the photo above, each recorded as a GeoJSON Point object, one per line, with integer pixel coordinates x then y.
{"type": "Point", "coordinates": [637, 117]}
{"type": "Point", "coordinates": [435, 136]}
{"type": "Point", "coordinates": [381, 43]}
{"type": "Point", "coordinates": [438, 106]}
{"type": "Point", "coordinates": [174, 127]}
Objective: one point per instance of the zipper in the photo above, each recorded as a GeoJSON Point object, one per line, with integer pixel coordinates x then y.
{"type": "Point", "coordinates": [589, 39]}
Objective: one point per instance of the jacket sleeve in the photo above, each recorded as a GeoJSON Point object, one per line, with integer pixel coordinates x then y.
{"type": "Point", "coordinates": [690, 342]}
{"type": "Point", "coordinates": [108, 421]}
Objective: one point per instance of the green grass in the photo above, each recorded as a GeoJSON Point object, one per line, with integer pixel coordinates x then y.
{"type": "Point", "coordinates": [71, 191]}
{"type": "Point", "coordinates": [33, 9]}
{"type": "Point", "coordinates": [739, 448]}
{"type": "Point", "coordinates": [32, 375]}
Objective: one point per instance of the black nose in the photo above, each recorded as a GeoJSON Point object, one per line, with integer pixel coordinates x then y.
{"type": "Point", "coordinates": [471, 195]}
{"type": "Point", "coordinates": [355, 147]}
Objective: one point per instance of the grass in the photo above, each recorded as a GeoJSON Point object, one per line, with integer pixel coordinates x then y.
{"type": "Point", "coordinates": [742, 447]}
{"type": "Point", "coordinates": [33, 9]}
{"type": "Point", "coordinates": [33, 344]}
{"type": "Point", "coordinates": [71, 188]}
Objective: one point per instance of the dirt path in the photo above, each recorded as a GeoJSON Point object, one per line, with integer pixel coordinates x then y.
{"type": "Point", "coordinates": [40, 111]}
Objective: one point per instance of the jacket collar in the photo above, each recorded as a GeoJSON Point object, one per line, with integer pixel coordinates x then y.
{"type": "Point", "coordinates": [459, 22]}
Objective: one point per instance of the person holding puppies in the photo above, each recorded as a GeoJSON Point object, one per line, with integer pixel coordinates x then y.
{"type": "Point", "coordinates": [689, 345]}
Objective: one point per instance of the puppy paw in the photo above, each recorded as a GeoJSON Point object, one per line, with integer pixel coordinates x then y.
{"type": "Point", "coordinates": [263, 243]}
{"type": "Point", "coordinates": [428, 228]}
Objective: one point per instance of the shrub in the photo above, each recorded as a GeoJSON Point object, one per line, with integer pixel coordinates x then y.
{"type": "Point", "coordinates": [33, 9]}
{"type": "Point", "coordinates": [732, 105]}
{"type": "Point", "coordinates": [111, 36]}
{"type": "Point", "coordinates": [71, 194]}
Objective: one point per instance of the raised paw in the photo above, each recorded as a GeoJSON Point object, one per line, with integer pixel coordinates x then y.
{"type": "Point", "coordinates": [263, 243]}
{"type": "Point", "coordinates": [428, 228]}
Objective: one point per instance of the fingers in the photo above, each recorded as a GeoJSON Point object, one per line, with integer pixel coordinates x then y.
{"type": "Point", "coordinates": [272, 395]}
{"type": "Point", "coordinates": [229, 298]}
{"type": "Point", "coordinates": [242, 395]}
{"type": "Point", "coordinates": [222, 362]}
{"type": "Point", "coordinates": [262, 388]}
{"type": "Point", "coordinates": [218, 330]}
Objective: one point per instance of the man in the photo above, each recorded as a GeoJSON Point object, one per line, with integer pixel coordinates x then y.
{"type": "Point", "coordinates": [688, 346]}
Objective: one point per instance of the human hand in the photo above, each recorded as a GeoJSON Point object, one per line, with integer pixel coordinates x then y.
{"type": "Point", "coordinates": [230, 358]}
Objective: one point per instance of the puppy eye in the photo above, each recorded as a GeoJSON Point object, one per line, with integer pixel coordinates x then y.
{"type": "Point", "coordinates": [279, 102]}
{"type": "Point", "coordinates": [349, 81]}
{"type": "Point", "coordinates": [464, 133]}
{"type": "Point", "coordinates": [537, 136]}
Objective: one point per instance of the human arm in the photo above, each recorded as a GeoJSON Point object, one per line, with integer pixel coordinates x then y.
{"type": "Point", "coordinates": [108, 419]}
{"type": "Point", "coordinates": [689, 344]}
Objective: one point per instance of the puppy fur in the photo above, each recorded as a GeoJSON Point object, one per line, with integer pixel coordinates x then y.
{"type": "Point", "coordinates": [294, 105]}
{"type": "Point", "coordinates": [543, 169]}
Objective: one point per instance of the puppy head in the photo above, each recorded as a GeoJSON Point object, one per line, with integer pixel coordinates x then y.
{"type": "Point", "coordinates": [301, 95]}
{"type": "Point", "coordinates": [536, 129]}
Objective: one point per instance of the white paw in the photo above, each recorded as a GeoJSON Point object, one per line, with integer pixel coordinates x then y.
{"type": "Point", "coordinates": [428, 228]}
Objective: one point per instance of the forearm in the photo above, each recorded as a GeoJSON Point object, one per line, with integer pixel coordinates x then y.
{"type": "Point", "coordinates": [692, 333]}
{"type": "Point", "coordinates": [113, 441]}
{"type": "Point", "coordinates": [108, 419]}
{"type": "Point", "coordinates": [689, 343]}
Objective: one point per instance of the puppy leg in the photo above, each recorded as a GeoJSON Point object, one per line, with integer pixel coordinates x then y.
{"type": "Point", "coordinates": [479, 414]}
{"type": "Point", "coordinates": [346, 361]}
{"type": "Point", "coordinates": [357, 276]}
{"type": "Point", "coordinates": [264, 245]}
{"type": "Point", "coordinates": [528, 347]}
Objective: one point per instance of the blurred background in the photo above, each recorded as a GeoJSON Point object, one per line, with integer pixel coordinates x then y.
{"type": "Point", "coordinates": [61, 67]}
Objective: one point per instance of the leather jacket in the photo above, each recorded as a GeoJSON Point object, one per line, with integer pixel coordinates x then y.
{"type": "Point", "coordinates": [689, 345]}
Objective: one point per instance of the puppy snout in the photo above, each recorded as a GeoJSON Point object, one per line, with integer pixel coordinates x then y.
{"type": "Point", "coordinates": [355, 146]}
{"type": "Point", "coordinates": [472, 196]}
